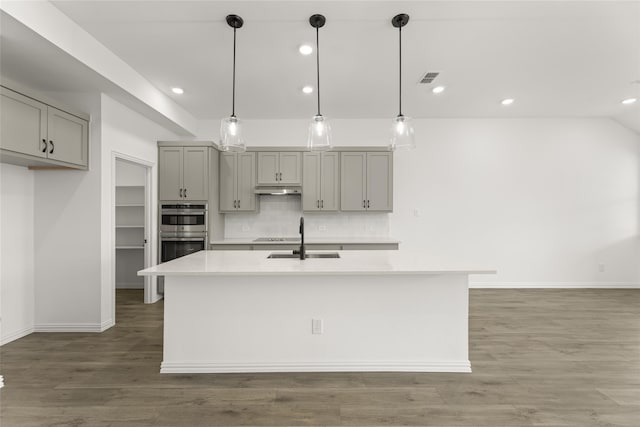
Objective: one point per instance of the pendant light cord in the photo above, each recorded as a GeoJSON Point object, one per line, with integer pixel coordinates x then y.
{"type": "Point", "coordinates": [233, 96]}
{"type": "Point", "coordinates": [400, 72]}
{"type": "Point", "coordinates": [318, 65]}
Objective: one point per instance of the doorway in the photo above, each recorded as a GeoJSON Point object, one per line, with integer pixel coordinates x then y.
{"type": "Point", "coordinates": [132, 223]}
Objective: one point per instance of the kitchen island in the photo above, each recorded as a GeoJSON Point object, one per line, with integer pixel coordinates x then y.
{"type": "Point", "coordinates": [238, 311]}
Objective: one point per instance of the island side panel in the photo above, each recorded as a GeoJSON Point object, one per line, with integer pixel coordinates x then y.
{"type": "Point", "coordinates": [405, 322]}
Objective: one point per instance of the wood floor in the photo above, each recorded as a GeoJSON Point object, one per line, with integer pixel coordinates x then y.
{"type": "Point", "coordinates": [539, 358]}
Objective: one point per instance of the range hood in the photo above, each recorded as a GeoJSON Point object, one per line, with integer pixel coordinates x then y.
{"type": "Point", "coordinates": [278, 191]}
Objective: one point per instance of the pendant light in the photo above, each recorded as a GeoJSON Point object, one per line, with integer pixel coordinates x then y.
{"type": "Point", "coordinates": [402, 128]}
{"type": "Point", "coordinates": [231, 138]}
{"type": "Point", "coordinates": [319, 129]}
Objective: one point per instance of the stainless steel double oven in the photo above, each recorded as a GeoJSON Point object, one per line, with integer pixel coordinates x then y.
{"type": "Point", "coordinates": [183, 229]}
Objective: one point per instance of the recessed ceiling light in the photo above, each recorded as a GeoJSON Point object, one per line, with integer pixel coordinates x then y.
{"type": "Point", "coordinates": [305, 49]}
{"type": "Point", "coordinates": [177, 90]}
{"type": "Point", "coordinates": [507, 101]}
{"type": "Point", "coordinates": [629, 101]}
{"type": "Point", "coordinates": [438, 89]}
{"type": "Point", "coordinates": [307, 89]}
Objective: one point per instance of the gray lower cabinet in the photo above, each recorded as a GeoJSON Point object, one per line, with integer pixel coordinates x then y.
{"type": "Point", "coordinates": [183, 173]}
{"type": "Point", "coordinates": [42, 132]}
{"type": "Point", "coordinates": [237, 182]}
{"type": "Point", "coordinates": [366, 182]}
{"type": "Point", "coordinates": [321, 181]}
{"type": "Point", "coordinates": [279, 168]}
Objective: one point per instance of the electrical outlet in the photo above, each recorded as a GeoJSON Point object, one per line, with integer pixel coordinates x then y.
{"type": "Point", "coordinates": [601, 268]}
{"type": "Point", "coordinates": [316, 326]}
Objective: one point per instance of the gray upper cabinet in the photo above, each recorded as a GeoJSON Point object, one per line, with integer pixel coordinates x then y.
{"type": "Point", "coordinates": [24, 124]}
{"type": "Point", "coordinates": [366, 181]}
{"type": "Point", "coordinates": [353, 181]}
{"type": "Point", "coordinates": [196, 173]}
{"type": "Point", "coordinates": [279, 168]}
{"type": "Point", "coordinates": [321, 178]}
{"type": "Point", "coordinates": [43, 133]}
{"type": "Point", "coordinates": [380, 181]}
{"type": "Point", "coordinates": [183, 173]}
{"type": "Point", "coordinates": [67, 135]}
{"type": "Point", "coordinates": [237, 182]}
{"type": "Point", "coordinates": [170, 173]}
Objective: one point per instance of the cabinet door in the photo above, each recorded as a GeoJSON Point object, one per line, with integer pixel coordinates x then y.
{"type": "Point", "coordinates": [380, 181]}
{"type": "Point", "coordinates": [23, 124]}
{"type": "Point", "coordinates": [268, 168]}
{"type": "Point", "coordinates": [68, 137]}
{"type": "Point", "coordinates": [170, 170]}
{"type": "Point", "coordinates": [330, 182]}
{"type": "Point", "coordinates": [228, 181]}
{"type": "Point", "coordinates": [290, 168]}
{"type": "Point", "coordinates": [311, 182]}
{"type": "Point", "coordinates": [353, 175]}
{"type": "Point", "coordinates": [195, 173]}
{"type": "Point", "coordinates": [246, 181]}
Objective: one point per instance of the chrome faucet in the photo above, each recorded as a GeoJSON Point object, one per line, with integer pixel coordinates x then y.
{"type": "Point", "coordinates": [303, 253]}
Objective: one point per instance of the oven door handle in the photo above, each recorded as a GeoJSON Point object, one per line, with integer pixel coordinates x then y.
{"type": "Point", "coordinates": [182, 239]}
{"type": "Point", "coordinates": [181, 212]}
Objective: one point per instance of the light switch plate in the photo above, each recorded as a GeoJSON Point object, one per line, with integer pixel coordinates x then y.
{"type": "Point", "coordinates": [316, 326]}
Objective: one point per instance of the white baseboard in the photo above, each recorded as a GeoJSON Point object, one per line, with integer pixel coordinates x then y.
{"type": "Point", "coordinates": [69, 327]}
{"type": "Point", "coordinates": [235, 367]}
{"type": "Point", "coordinates": [554, 285]}
{"type": "Point", "coordinates": [107, 324]}
{"type": "Point", "coordinates": [15, 335]}
{"type": "Point", "coordinates": [157, 298]}
{"type": "Point", "coordinates": [130, 285]}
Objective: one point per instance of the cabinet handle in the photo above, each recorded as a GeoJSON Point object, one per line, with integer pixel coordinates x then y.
{"type": "Point", "coordinates": [44, 150]}
{"type": "Point", "coordinates": [238, 204]}
{"type": "Point", "coordinates": [52, 147]}
{"type": "Point", "coordinates": [280, 176]}
{"type": "Point", "coordinates": [185, 193]}
{"type": "Point", "coordinates": [364, 203]}
{"type": "Point", "coordinates": [322, 204]}
{"type": "Point", "coordinates": [276, 176]}
{"type": "Point", "coordinates": [317, 203]}
{"type": "Point", "coordinates": [235, 204]}
{"type": "Point", "coordinates": [181, 193]}
{"type": "Point", "coordinates": [368, 204]}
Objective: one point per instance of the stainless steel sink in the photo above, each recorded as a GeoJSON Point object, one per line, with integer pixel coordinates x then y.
{"type": "Point", "coordinates": [308, 255]}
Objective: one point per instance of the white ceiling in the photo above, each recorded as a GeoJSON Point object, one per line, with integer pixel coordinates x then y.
{"type": "Point", "coordinates": [557, 59]}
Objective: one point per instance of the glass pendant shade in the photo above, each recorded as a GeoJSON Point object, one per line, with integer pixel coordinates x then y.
{"type": "Point", "coordinates": [319, 134]}
{"type": "Point", "coordinates": [231, 138]}
{"type": "Point", "coordinates": [402, 134]}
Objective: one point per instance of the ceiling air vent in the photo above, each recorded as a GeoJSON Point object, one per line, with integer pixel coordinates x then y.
{"type": "Point", "coordinates": [429, 77]}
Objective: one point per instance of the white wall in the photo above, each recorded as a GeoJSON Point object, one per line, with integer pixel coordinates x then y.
{"type": "Point", "coordinates": [67, 244]}
{"type": "Point", "coordinates": [16, 252]}
{"type": "Point", "coordinates": [129, 174]}
{"type": "Point", "coordinates": [543, 201]}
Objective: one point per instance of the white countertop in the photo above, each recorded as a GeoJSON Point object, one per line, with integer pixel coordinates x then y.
{"type": "Point", "coordinates": [252, 263]}
{"type": "Point", "coordinates": [310, 240]}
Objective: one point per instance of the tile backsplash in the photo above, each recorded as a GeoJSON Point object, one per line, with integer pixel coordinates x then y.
{"type": "Point", "coordinates": [279, 216]}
